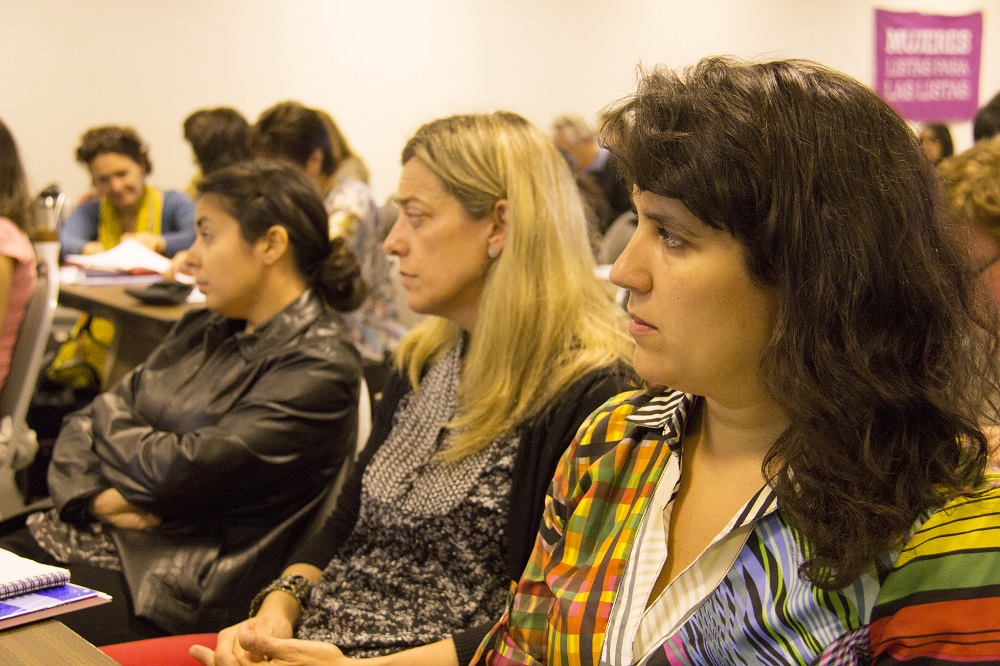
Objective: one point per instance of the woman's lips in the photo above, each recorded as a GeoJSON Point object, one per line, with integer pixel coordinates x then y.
{"type": "Point", "coordinates": [639, 326]}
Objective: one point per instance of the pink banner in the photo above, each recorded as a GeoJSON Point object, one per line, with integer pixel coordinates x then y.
{"type": "Point", "coordinates": [927, 66]}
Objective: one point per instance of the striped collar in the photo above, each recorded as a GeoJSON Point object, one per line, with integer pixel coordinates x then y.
{"type": "Point", "coordinates": [668, 412]}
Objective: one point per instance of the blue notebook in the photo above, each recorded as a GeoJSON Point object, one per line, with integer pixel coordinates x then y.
{"type": "Point", "coordinates": [48, 603]}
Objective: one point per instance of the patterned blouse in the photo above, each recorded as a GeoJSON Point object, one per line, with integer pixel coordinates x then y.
{"type": "Point", "coordinates": [374, 328]}
{"type": "Point", "coordinates": [583, 596]}
{"type": "Point", "coordinates": [426, 557]}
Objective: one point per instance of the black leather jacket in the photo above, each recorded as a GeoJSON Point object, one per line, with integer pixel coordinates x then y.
{"type": "Point", "coordinates": [231, 438]}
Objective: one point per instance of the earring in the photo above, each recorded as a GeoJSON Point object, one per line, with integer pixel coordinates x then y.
{"type": "Point", "coordinates": [492, 252]}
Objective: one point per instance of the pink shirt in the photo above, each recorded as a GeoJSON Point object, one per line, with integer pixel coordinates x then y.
{"type": "Point", "coordinates": [14, 243]}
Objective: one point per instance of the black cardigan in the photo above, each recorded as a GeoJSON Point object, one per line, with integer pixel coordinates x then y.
{"type": "Point", "coordinates": [543, 441]}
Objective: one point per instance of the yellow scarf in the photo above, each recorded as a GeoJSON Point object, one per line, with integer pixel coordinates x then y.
{"type": "Point", "coordinates": [109, 226]}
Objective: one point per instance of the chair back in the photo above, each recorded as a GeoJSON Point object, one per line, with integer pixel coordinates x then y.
{"type": "Point", "coordinates": [33, 336]}
{"type": "Point", "coordinates": [329, 502]}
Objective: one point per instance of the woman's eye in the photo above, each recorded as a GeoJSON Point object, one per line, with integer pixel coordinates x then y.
{"type": "Point", "coordinates": [670, 239]}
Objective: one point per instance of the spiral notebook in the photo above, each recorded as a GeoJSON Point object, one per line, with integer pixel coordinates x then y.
{"type": "Point", "coordinates": [19, 575]}
{"type": "Point", "coordinates": [31, 591]}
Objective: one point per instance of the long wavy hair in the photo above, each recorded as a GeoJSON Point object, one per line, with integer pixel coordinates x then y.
{"type": "Point", "coordinates": [884, 351]}
{"type": "Point", "coordinates": [15, 199]}
{"type": "Point", "coordinates": [544, 320]}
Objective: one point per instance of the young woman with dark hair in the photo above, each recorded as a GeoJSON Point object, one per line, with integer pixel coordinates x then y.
{"type": "Point", "coordinates": [805, 482]}
{"type": "Point", "coordinates": [181, 490]}
{"type": "Point", "coordinates": [310, 139]}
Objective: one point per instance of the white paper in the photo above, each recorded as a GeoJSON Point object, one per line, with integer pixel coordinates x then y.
{"type": "Point", "coordinates": [129, 255]}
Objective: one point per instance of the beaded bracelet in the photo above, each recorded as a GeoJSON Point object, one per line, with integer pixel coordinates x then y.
{"type": "Point", "coordinates": [297, 586]}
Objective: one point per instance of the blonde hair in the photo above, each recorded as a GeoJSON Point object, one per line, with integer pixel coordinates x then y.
{"type": "Point", "coordinates": [972, 184]}
{"type": "Point", "coordinates": [573, 128]}
{"type": "Point", "coordinates": [544, 319]}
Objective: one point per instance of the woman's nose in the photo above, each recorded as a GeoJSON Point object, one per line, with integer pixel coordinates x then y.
{"type": "Point", "coordinates": [193, 259]}
{"type": "Point", "coordinates": [393, 245]}
{"type": "Point", "coordinates": [630, 271]}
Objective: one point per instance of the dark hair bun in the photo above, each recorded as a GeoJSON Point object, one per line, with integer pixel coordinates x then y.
{"type": "Point", "coordinates": [340, 279]}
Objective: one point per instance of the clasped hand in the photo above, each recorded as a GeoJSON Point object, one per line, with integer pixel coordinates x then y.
{"type": "Point", "coordinates": [267, 639]}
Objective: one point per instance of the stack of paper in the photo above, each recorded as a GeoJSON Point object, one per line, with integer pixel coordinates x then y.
{"type": "Point", "coordinates": [129, 257]}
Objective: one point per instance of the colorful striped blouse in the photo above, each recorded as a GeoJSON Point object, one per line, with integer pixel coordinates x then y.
{"type": "Point", "coordinates": [938, 600]}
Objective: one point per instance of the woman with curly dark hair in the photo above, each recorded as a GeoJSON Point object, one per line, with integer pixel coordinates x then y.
{"type": "Point", "coordinates": [811, 487]}
{"type": "Point", "coordinates": [126, 206]}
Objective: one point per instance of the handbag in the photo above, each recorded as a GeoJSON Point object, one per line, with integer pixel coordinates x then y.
{"type": "Point", "coordinates": [79, 363]}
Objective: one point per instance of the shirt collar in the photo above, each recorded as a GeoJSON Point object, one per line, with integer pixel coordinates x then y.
{"type": "Point", "coordinates": [668, 412]}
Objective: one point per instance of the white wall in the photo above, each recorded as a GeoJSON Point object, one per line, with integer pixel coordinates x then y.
{"type": "Point", "coordinates": [383, 67]}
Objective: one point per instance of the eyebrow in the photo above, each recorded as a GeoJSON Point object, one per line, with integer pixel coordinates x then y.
{"type": "Point", "coordinates": [200, 222]}
{"type": "Point", "coordinates": [671, 221]}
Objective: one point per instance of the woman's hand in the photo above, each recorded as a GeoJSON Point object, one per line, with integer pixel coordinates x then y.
{"type": "Point", "coordinates": [93, 247]}
{"type": "Point", "coordinates": [230, 649]}
{"type": "Point", "coordinates": [109, 506]}
{"type": "Point", "coordinates": [154, 242]}
{"type": "Point", "coordinates": [178, 265]}
{"type": "Point", "coordinates": [292, 651]}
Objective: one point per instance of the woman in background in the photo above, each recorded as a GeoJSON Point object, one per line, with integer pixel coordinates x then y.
{"type": "Point", "coordinates": [17, 256]}
{"type": "Point", "coordinates": [935, 139]}
{"type": "Point", "coordinates": [804, 482]}
{"type": "Point", "coordinates": [349, 164]}
{"type": "Point", "coordinates": [218, 137]}
{"type": "Point", "coordinates": [181, 490]}
{"type": "Point", "coordinates": [972, 183]}
{"type": "Point", "coordinates": [126, 206]}
{"type": "Point", "coordinates": [298, 133]}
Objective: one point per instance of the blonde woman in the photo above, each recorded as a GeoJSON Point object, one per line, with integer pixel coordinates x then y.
{"type": "Point", "coordinates": [521, 342]}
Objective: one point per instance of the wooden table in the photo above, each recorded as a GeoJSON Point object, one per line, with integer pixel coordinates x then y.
{"type": "Point", "coordinates": [47, 643]}
{"type": "Point", "coordinates": [139, 328]}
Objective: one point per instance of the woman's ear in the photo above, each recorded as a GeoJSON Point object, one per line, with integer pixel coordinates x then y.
{"type": "Point", "coordinates": [314, 164]}
{"type": "Point", "coordinates": [273, 244]}
{"type": "Point", "coordinates": [498, 234]}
